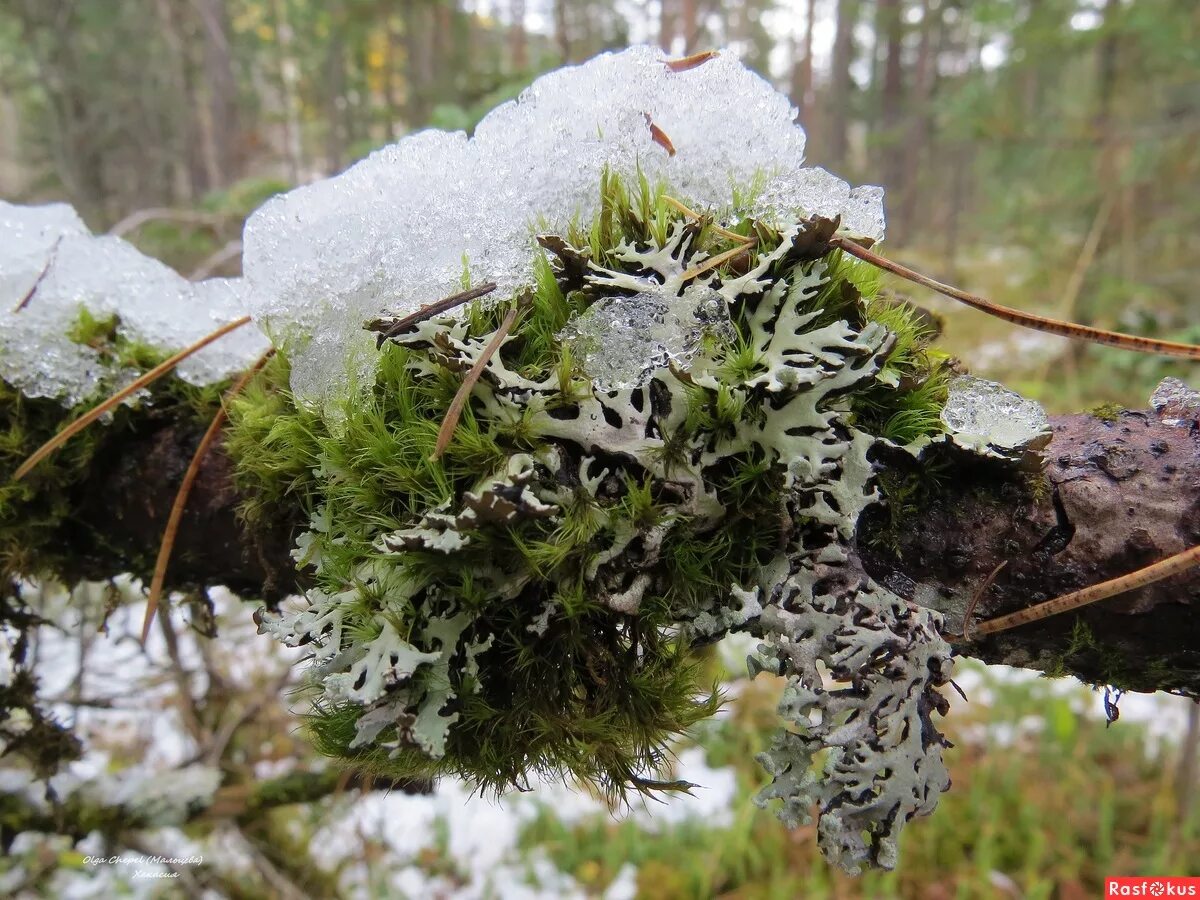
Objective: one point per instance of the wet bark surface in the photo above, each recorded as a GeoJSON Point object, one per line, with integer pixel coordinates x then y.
{"type": "Point", "coordinates": [1119, 496]}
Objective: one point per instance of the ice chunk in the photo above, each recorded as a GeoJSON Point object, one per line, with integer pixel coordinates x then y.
{"type": "Point", "coordinates": [1176, 402]}
{"type": "Point", "coordinates": [52, 270]}
{"type": "Point", "coordinates": [402, 227]}
{"type": "Point", "coordinates": [814, 191]}
{"type": "Point", "coordinates": [988, 418]}
{"type": "Point", "coordinates": [621, 341]}
{"type": "Point", "coordinates": [213, 303]}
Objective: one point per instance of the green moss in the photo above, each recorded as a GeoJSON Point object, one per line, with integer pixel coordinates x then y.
{"type": "Point", "coordinates": [1107, 412]}
{"type": "Point", "coordinates": [591, 692]}
{"type": "Point", "coordinates": [40, 532]}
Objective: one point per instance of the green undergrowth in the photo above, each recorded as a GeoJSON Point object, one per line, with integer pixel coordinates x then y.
{"type": "Point", "coordinates": [40, 530]}
{"type": "Point", "coordinates": [548, 678]}
{"type": "Point", "coordinates": [1038, 812]}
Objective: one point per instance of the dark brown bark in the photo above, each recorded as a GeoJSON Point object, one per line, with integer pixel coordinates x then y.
{"type": "Point", "coordinates": [1119, 495]}
{"type": "Point", "coordinates": [119, 523]}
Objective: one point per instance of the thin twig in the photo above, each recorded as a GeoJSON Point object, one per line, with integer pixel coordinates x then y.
{"type": "Point", "coordinates": [229, 726]}
{"type": "Point", "coordinates": [719, 260]}
{"type": "Point", "coordinates": [717, 229]}
{"type": "Point", "coordinates": [983, 588]}
{"type": "Point", "coordinates": [1165, 568]}
{"type": "Point", "coordinates": [137, 219]}
{"type": "Point", "coordinates": [1028, 320]}
{"type": "Point", "coordinates": [189, 711]}
{"type": "Point", "coordinates": [97, 411]}
{"type": "Point", "coordinates": [185, 490]}
{"type": "Point", "coordinates": [37, 282]}
{"type": "Point", "coordinates": [391, 329]}
{"type": "Point", "coordinates": [450, 422]}
{"type": "Point", "coordinates": [230, 251]}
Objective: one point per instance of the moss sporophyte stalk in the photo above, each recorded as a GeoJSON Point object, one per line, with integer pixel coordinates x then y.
{"type": "Point", "coordinates": [650, 460]}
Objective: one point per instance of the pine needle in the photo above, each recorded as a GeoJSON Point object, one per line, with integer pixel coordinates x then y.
{"type": "Point", "coordinates": [693, 61]}
{"type": "Point", "coordinates": [659, 136]}
{"type": "Point", "coordinates": [1164, 568]}
{"type": "Point", "coordinates": [450, 422]}
{"type": "Point", "coordinates": [37, 282]}
{"type": "Point", "coordinates": [185, 490]}
{"type": "Point", "coordinates": [97, 411]}
{"type": "Point", "coordinates": [389, 328]}
{"type": "Point", "coordinates": [1017, 317]}
{"type": "Point", "coordinates": [717, 229]}
{"type": "Point", "coordinates": [719, 260]}
{"type": "Point", "coordinates": [983, 588]}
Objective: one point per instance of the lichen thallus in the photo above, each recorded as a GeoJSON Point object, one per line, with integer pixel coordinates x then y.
{"type": "Point", "coordinates": [1164, 568]}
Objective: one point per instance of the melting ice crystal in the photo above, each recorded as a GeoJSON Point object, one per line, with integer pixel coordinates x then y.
{"type": "Point", "coordinates": [397, 230]}
{"type": "Point", "coordinates": [621, 341]}
{"type": "Point", "coordinates": [394, 231]}
{"type": "Point", "coordinates": [989, 418]}
{"type": "Point", "coordinates": [52, 269]}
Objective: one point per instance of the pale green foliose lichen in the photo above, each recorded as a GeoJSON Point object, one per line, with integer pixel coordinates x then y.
{"type": "Point", "coordinates": [703, 474]}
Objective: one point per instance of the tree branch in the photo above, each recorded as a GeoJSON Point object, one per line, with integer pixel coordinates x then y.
{"type": "Point", "coordinates": [1119, 495]}
{"type": "Point", "coordinates": [78, 818]}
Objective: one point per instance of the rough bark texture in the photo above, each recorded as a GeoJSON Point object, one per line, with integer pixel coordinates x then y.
{"type": "Point", "coordinates": [1118, 495]}
{"type": "Point", "coordinates": [1121, 495]}
{"type": "Point", "coordinates": [131, 503]}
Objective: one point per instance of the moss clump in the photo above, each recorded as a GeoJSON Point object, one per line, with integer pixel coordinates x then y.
{"type": "Point", "coordinates": [40, 533]}
{"type": "Point", "coordinates": [1107, 412]}
{"type": "Point", "coordinates": [527, 602]}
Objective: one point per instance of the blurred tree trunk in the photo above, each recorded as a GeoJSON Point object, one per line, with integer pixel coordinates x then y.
{"type": "Point", "coordinates": [889, 139]}
{"type": "Point", "coordinates": [289, 72]}
{"type": "Point", "coordinates": [420, 38]}
{"type": "Point", "coordinates": [562, 34]}
{"type": "Point", "coordinates": [841, 84]}
{"type": "Point", "coordinates": [391, 41]}
{"type": "Point", "coordinates": [46, 28]}
{"type": "Point", "coordinates": [803, 91]}
{"type": "Point", "coordinates": [190, 141]}
{"type": "Point", "coordinates": [690, 25]}
{"type": "Point", "coordinates": [336, 135]}
{"type": "Point", "coordinates": [920, 116]}
{"type": "Point", "coordinates": [518, 47]}
{"type": "Point", "coordinates": [666, 24]}
{"type": "Point", "coordinates": [221, 121]}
